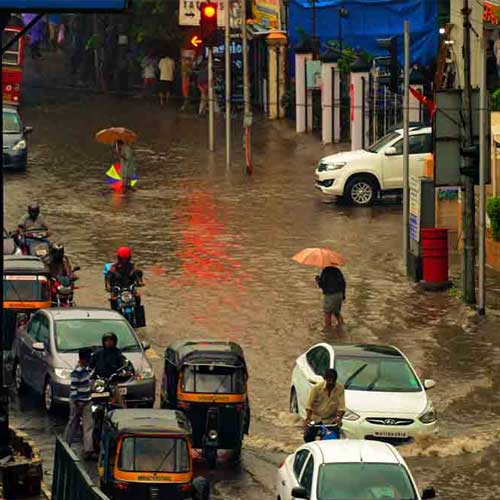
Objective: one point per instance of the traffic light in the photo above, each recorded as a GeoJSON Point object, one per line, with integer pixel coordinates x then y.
{"type": "Point", "coordinates": [390, 62]}
{"type": "Point", "coordinates": [208, 23]}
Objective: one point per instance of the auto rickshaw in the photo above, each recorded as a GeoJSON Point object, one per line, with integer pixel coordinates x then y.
{"type": "Point", "coordinates": [26, 288]}
{"type": "Point", "coordinates": [146, 453]}
{"type": "Point", "coordinates": [207, 380]}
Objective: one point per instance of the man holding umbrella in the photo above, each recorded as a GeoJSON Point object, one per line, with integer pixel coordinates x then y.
{"type": "Point", "coordinates": [331, 280]}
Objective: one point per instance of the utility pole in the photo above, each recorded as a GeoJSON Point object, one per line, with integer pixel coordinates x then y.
{"type": "Point", "coordinates": [227, 40]}
{"type": "Point", "coordinates": [247, 115]}
{"type": "Point", "coordinates": [468, 202]}
{"type": "Point", "coordinates": [406, 144]}
{"type": "Point", "coordinates": [483, 165]}
{"type": "Point", "coordinates": [211, 103]}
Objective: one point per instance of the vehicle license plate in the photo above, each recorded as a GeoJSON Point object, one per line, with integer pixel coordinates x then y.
{"type": "Point", "coordinates": [389, 434]}
{"type": "Point", "coordinates": [122, 391]}
{"type": "Point", "coordinates": [97, 395]}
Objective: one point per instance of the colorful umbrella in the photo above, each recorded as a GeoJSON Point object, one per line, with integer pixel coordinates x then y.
{"type": "Point", "coordinates": [319, 257]}
{"type": "Point", "coordinates": [113, 134]}
{"type": "Point", "coordinates": [114, 178]}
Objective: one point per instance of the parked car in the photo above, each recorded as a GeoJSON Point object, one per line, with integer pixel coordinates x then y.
{"type": "Point", "coordinates": [361, 176]}
{"type": "Point", "coordinates": [384, 397]}
{"type": "Point", "coordinates": [46, 351]}
{"type": "Point", "coordinates": [15, 139]}
{"type": "Point", "coordinates": [347, 470]}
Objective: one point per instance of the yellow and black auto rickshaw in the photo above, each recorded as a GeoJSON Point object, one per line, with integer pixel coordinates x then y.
{"type": "Point", "coordinates": [26, 288]}
{"type": "Point", "coordinates": [207, 380]}
{"type": "Point", "coordinates": [146, 454]}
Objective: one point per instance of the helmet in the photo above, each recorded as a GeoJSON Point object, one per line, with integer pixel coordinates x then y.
{"type": "Point", "coordinates": [57, 251]}
{"type": "Point", "coordinates": [124, 253]}
{"type": "Point", "coordinates": [34, 210]}
{"type": "Point", "coordinates": [110, 336]}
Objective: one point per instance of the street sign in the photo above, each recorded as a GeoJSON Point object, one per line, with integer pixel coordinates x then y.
{"type": "Point", "coordinates": [196, 41]}
{"type": "Point", "coordinates": [63, 5]}
{"type": "Point", "coordinates": [189, 13]}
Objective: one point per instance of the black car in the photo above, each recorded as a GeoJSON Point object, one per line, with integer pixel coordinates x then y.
{"type": "Point", "coordinates": [15, 143]}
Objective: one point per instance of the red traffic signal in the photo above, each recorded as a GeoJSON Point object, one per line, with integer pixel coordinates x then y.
{"type": "Point", "coordinates": [208, 23]}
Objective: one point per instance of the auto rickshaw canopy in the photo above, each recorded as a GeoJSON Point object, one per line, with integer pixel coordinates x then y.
{"type": "Point", "coordinates": [24, 264]}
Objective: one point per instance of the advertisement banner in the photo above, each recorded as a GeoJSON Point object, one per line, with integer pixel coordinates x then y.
{"type": "Point", "coordinates": [266, 13]}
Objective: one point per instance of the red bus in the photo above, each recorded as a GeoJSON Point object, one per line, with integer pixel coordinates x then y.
{"type": "Point", "coordinates": [12, 66]}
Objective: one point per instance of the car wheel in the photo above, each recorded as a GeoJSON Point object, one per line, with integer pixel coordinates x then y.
{"type": "Point", "coordinates": [294, 403]}
{"type": "Point", "coordinates": [48, 396]}
{"type": "Point", "coordinates": [18, 377]}
{"type": "Point", "coordinates": [361, 191]}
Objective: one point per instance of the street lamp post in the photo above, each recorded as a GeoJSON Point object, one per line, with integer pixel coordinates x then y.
{"type": "Point", "coordinates": [343, 13]}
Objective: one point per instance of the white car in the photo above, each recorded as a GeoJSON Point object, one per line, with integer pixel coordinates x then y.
{"type": "Point", "coordinates": [347, 470]}
{"type": "Point", "coordinates": [360, 176]}
{"type": "Point", "coordinates": [384, 397]}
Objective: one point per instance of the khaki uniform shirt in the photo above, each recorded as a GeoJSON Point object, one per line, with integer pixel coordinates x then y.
{"type": "Point", "coordinates": [324, 407]}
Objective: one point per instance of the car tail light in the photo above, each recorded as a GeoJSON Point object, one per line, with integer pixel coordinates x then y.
{"type": "Point", "coordinates": [121, 486]}
{"type": "Point", "coordinates": [185, 488]}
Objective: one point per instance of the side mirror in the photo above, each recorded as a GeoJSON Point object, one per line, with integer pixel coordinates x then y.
{"type": "Point", "coordinates": [39, 346]}
{"type": "Point", "coordinates": [300, 492]}
{"type": "Point", "coordinates": [390, 151]}
{"type": "Point", "coordinates": [428, 493]}
{"type": "Point", "coordinates": [28, 130]}
{"type": "Point", "coordinates": [146, 345]}
{"type": "Point", "coordinates": [429, 384]}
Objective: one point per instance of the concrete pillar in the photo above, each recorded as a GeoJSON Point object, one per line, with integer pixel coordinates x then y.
{"type": "Point", "coordinates": [359, 92]}
{"type": "Point", "coordinates": [330, 98]}
{"type": "Point", "coordinates": [276, 43]}
{"type": "Point", "coordinates": [302, 99]}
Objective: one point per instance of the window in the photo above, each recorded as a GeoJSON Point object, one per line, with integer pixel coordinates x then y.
{"type": "Point", "coordinates": [398, 148]}
{"type": "Point", "coordinates": [11, 123]}
{"type": "Point", "coordinates": [154, 454]}
{"type": "Point", "coordinates": [319, 360]}
{"type": "Point", "coordinates": [420, 144]}
{"type": "Point", "coordinates": [43, 334]}
{"type": "Point", "coordinates": [361, 481]}
{"type": "Point", "coordinates": [33, 327]}
{"type": "Point", "coordinates": [299, 461]}
{"type": "Point", "coordinates": [73, 334]}
{"type": "Point", "coordinates": [377, 147]}
{"type": "Point", "coordinates": [376, 374]}
{"type": "Point", "coordinates": [25, 290]}
{"type": "Point", "coordinates": [307, 476]}
{"type": "Point", "coordinates": [212, 379]}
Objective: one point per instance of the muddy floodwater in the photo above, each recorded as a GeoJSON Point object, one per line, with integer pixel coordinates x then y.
{"type": "Point", "coordinates": [215, 246]}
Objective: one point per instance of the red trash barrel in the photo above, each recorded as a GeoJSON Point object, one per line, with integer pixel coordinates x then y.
{"type": "Point", "coordinates": [435, 254]}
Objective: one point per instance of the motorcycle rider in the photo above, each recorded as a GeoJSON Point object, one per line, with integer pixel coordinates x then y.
{"type": "Point", "coordinates": [32, 222]}
{"type": "Point", "coordinates": [123, 273]}
{"type": "Point", "coordinates": [58, 263]}
{"type": "Point", "coordinates": [326, 404]}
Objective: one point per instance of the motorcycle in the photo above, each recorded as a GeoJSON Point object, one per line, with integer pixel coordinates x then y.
{"type": "Point", "coordinates": [34, 242]}
{"type": "Point", "coordinates": [325, 432]}
{"type": "Point", "coordinates": [62, 290]}
{"type": "Point", "coordinates": [106, 396]}
{"type": "Point", "coordinates": [126, 301]}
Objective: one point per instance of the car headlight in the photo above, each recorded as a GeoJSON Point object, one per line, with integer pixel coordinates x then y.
{"type": "Point", "coordinates": [335, 166]}
{"type": "Point", "coordinates": [63, 373]}
{"type": "Point", "coordinates": [20, 145]}
{"type": "Point", "coordinates": [429, 415]}
{"type": "Point", "coordinates": [350, 416]}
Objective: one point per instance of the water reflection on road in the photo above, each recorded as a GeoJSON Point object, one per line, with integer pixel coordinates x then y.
{"type": "Point", "coordinates": [216, 246]}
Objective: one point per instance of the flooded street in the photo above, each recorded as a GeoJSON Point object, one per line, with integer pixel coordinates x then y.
{"type": "Point", "coordinates": [215, 246]}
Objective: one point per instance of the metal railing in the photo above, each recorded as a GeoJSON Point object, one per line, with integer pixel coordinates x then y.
{"type": "Point", "coordinates": [70, 480]}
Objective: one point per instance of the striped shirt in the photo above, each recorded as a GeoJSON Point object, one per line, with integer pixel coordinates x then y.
{"type": "Point", "coordinates": [81, 385]}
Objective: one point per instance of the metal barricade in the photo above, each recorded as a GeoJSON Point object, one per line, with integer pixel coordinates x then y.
{"type": "Point", "coordinates": [70, 480]}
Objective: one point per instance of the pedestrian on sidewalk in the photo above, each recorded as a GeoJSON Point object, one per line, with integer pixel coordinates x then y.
{"type": "Point", "coordinates": [149, 75]}
{"type": "Point", "coordinates": [165, 84]}
{"type": "Point", "coordinates": [80, 409]}
{"type": "Point", "coordinates": [332, 283]}
{"type": "Point", "coordinates": [54, 22]}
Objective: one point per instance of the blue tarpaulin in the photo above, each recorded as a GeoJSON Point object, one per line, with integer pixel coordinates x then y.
{"type": "Point", "coordinates": [368, 20]}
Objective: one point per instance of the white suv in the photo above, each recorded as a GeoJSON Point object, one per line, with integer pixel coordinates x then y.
{"type": "Point", "coordinates": [360, 176]}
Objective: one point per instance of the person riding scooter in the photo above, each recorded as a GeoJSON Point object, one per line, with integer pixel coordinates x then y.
{"type": "Point", "coordinates": [123, 274]}
{"type": "Point", "coordinates": [30, 224]}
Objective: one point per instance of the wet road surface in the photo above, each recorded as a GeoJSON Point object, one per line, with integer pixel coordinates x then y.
{"type": "Point", "coordinates": [216, 246]}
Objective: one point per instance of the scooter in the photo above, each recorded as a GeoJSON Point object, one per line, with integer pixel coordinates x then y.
{"type": "Point", "coordinates": [63, 288]}
{"type": "Point", "coordinates": [325, 432]}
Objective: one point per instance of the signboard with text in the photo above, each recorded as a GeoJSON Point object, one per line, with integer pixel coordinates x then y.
{"type": "Point", "coordinates": [189, 13]}
{"type": "Point", "coordinates": [266, 13]}
{"type": "Point", "coordinates": [415, 201]}
{"type": "Point", "coordinates": [63, 5]}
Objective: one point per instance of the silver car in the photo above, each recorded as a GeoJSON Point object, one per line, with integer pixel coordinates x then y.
{"type": "Point", "coordinates": [46, 351]}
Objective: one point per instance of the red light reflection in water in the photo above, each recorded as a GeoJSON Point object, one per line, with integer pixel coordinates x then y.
{"type": "Point", "coordinates": [205, 259]}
